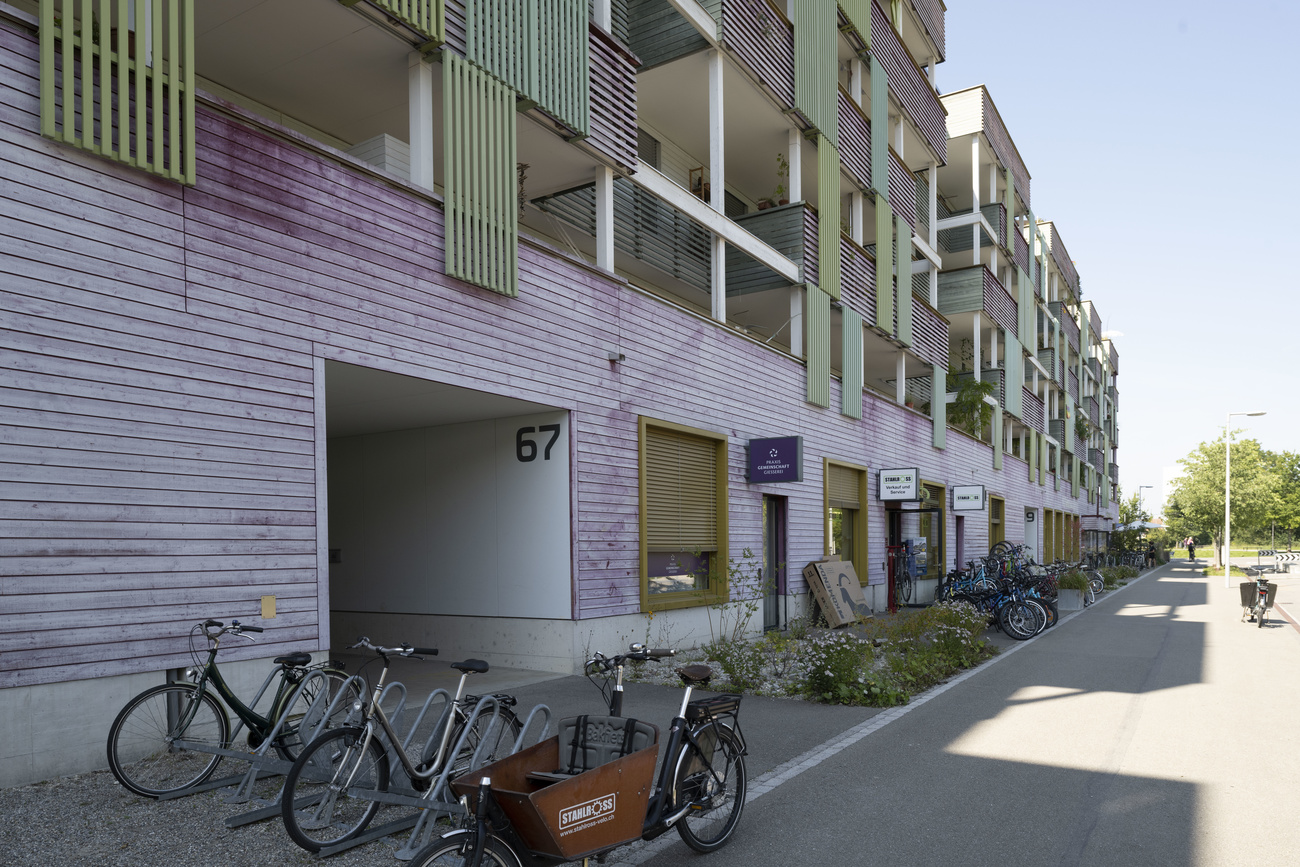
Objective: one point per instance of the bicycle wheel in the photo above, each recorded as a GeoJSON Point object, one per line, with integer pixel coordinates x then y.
{"type": "Point", "coordinates": [1019, 620]}
{"type": "Point", "coordinates": [1050, 609]}
{"type": "Point", "coordinates": [317, 805]}
{"type": "Point", "coordinates": [502, 735]}
{"type": "Point", "coordinates": [303, 721]}
{"type": "Point", "coordinates": [713, 786]}
{"type": "Point", "coordinates": [1260, 616]}
{"type": "Point", "coordinates": [1040, 612]}
{"type": "Point", "coordinates": [1000, 548]}
{"type": "Point", "coordinates": [903, 589]}
{"type": "Point", "coordinates": [146, 743]}
{"type": "Point", "coordinates": [457, 850]}
{"type": "Point", "coordinates": [1096, 581]}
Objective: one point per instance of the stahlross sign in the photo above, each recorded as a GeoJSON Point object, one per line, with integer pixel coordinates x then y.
{"type": "Point", "coordinates": [900, 484]}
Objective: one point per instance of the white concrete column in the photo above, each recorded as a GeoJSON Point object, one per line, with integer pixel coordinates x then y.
{"type": "Point", "coordinates": [603, 16]}
{"type": "Point", "coordinates": [857, 70]}
{"type": "Point", "coordinates": [900, 377]}
{"type": "Point", "coordinates": [419, 87]}
{"type": "Point", "coordinates": [796, 321]}
{"type": "Point", "coordinates": [993, 348]}
{"type": "Point", "coordinates": [934, 288]}
{"type": "Point", "coordinates": [857, 210]}
{"type": "Point", "coordinates": [794, 154]}
{"type": "Point", "coordinates": [717, 139]}
{"type": "Point", "coordinates": [605, 218]}
{"type": "Point", "coordinates": [975, 243]}
{"type": "Point", "coordinates": [719, 278]}
{"type": "Point", "coordinates": [976, 328]}
{"type": "Point", "coordinates": [898, 135]}
{"type": "Point", "coordinates": [993, 185]}
{"type": "Point", "coordinates": [975, 172]}
{"type": "Point", "coordinates": [933, 175]}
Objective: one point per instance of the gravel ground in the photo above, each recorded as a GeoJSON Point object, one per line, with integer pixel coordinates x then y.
{"type": "Point", "coordinates": [89, 820]}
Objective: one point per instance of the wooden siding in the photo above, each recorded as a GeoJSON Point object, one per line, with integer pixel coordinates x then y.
{"type": "Point", "coordinates": [998, 303]}
{"type": "Point", "coordinates": [1021, 253]}
{"type": "Point", "coordinates": [1072, 385]}
{"type": "Point", "coordinates": [908, 83]}
{"type": "Point", "coordinates": [455, 24]}
{"type": "Point", "coordinates": [1069, 327]}
{"type": "Point", "coordinates": [1061, 257]}
{"type": "Point", "coordinates": [160, 403]}
{"type": "Point", "coordinates": [1000, 140]}
{"type": "Point", "coordinates": [975, 290]}
{"type": "Point", "coordinates": [613, 99]}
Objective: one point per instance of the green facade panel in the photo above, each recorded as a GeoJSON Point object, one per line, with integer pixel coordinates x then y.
{"type": "Point", "coordinates": [859, 14]}
{"type": "Point", "coordinates": [851, 364]}
{"type": "Point", "coordinates": [816, 60]}
{"type": "Point", "coordinates": [939, 406]}
{"type": "Point", "coordinates": [817, 341]}
{"type": "Point", "coordinates": [479, 178]}
{"type": "Point", "coordinates": [884, 267]}
{"type": "Point", "coordinates": [879, 128]}
{"type": "Point", "coordinates": [904, 279]}
{"type": "Point", "coordinates": [426, 16]}
{"type": "Point", "coordinates": [828, 216]}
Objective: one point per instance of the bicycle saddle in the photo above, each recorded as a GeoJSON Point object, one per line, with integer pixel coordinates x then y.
{"type": "Point", "coordinates": [696, 673]}
{"type": "Point", "coordinates": [294, 660]}
{"type": "Point", "coordinates": [477, 666]}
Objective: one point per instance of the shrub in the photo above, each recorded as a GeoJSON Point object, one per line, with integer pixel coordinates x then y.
{"type": "Point", "coordinates": [833, 667]}
{"type": "Point", "coordinates": [1073, 580]}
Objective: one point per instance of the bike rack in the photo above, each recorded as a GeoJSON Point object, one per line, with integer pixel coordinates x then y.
{"type": "Point", "coordinates": [263, 761]}
{"type": "Point", "coordinates": [437, 799]}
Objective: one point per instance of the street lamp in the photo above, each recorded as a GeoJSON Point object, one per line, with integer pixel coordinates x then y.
{"type": "Point", "coordinates": [1140, 489]}
{"type": "Point", "coordinates": [1227, 497]}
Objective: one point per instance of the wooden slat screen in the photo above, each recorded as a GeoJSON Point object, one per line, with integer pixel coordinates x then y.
{"type": "Point", "coordinates": [904, 279]}
{"type": "Point", "coordinates": [426, 16]}
{"type": "Point", "coordinates": [681, 479]}
{"type": "Point", "coordinates": [479, 178]}
{"type": "Point", "coordinates": [884, 272]}
{"type": "Point", "coordinates": [502, 39]}
{"type": "Point", "coordinates": [563, 70]}
{"type": "Point", "coordinates": [815, 70]}
{"type": "Point", "coordinates": [117, 79]}
{"type": "Point", "coordinates": [828, 216]}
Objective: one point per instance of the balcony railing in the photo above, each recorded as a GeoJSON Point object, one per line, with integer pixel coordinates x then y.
{"type": "Point", "coordinates": [423, 16]}
{"type": "Point", "coordinates": [1094, 321]}
{"type": "Point", "coordinates": [976, 290]}
{"type": "Point", "coordinates": [1062, 259]}
{"type": "Point", "coordinates": [1113, 471]}
{"type": "Point", "coordinates": [995, 375]}
{"type": "Point", "coordinates": [931, 13]}
{"type": "Point", "coordinates": [958, 238]}
{"type": "Point", "coordinates": [763, 40]}
{"type": "Point", "coordinates": [1031, 409]}
{"type": "Point", "coordinates": [1056, 430]}
{"type": "Point", "coordinates": [1021, 254]}
{"type": "Point", "coordinates": [1072, 385]}
{"type": "Point", "coordinates": [1047, 358]}
{"type": "Point", "coordinates": [1090, 407]}
{"type": "Point", "coordinates": [613, 99]}
{"type": "Point", "coordinates": [909, 85]}
{"type": "Point", "coordinates": [902, 190]}
{"type": "Point", "coordinates": [1114, 358]}
{"type": "Point", "coordinates": [922, 204]}
{"type": "Point", "coordinates": [858, 280]}
{"type": "Point", "coordinates": [929, 333]}
{"type": "Point", "coordinates": [1095, 459]}
{"type": "Point", "coordinates": [855, 141]}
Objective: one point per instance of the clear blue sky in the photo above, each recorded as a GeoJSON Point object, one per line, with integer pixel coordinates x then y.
{"type": "Point", "coordinates": [1158, 137]}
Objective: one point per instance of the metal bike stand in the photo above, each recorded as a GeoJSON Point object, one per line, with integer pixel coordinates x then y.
{"type": "Point", "coordinates": [264, 763]}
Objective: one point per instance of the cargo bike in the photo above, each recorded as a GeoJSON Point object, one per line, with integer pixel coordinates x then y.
{"type": "Point", "coordinates": [592, 787]}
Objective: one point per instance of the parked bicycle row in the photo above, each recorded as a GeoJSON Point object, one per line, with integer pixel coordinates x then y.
{"type": "Point", "coordinates": [346, 749]}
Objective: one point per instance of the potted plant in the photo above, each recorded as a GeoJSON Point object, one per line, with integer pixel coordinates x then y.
{"type": "Point", "coordinates": [1081, 429]}
{"type": "Point", "coordinates": [1070, 589]}
{"type": "Point", "coordinates": [909, 401]}
{"type": "Point", "coordinates": [969, 412]}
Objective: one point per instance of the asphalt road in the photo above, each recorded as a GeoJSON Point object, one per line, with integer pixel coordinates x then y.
{"type": "Point", "coordinates": [1152, 728]}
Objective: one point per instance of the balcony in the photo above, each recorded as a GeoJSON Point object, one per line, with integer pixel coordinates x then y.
{"type": "Point", "coordinates": [1020, 255]}
{"type": "Point", "coordinates": [1091, 411]}
{"type": "Point", "coordinates": [1095, 459]}
{"type": "Point", "coordinates": [1072, 385]}
{"type": "Point", "coordinates": [996, 375]}
{"type": "Point", "coordinates": [902, 190]}
{"type": "Point", "coordinates": [908, 83]}
{"type": "Point", "coordinates": [1069, 327]}
{"type": "Point", "coordinates": [930, 332]}
{"type": "Point", "coordinates": [1064, 263]}
{"type": "Point", "coordinates": [1056, 430]}
{"type": "Point", "coordinates": [1047, 358]}
{"type": "Point", "coordinates": [976, 290]}
{"type": "Point", "coordinates": [956, 238]}
{"type": "Point", "coordinates": [931, 13]}
{"type": "Point", "coordinates": [855, 141]}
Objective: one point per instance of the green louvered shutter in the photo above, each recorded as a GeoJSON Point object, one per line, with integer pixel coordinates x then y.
{"type": "Point", "coordinates": [818, 342]}
{"type": "Point", "coordinates": [859, 14]}
{"type": "Point", "coordinates": [904, 280]}
{"type": "Point", "coordinates": [879, 128]}
{"type": "Point", "coordinates": [563, 86]}
{"type": "Point", "coordinates": [851, 364]}
{"type": "Point", "coordinates": [828, 217]}
{"type": "Point", "coordinates": [997, 439]}
{"type": "Point", "coordinates": [119, 87]}
{"type": "Point", "coordinates": [426, 16]}
{"type": "Point", "coordinates": [816, 62]}
{"type": "Point", "coordinates": [501, 37]}
{"type": "Point", "coordinates": [884, 265]}
{"type": "Point", "coordinates": [479, 178]}
{"type": "Point", "coordinates": [1013, 377]}
{"type": "Point", "coordinates": [939, 406]}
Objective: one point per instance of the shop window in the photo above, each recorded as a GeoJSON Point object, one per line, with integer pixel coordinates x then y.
{"type": "Point", "coordinates": [846, 515]}
{"type": "Point", "coordinates": [683, 516]}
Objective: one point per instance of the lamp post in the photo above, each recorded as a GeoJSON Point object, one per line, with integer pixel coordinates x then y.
{"type": "Point", "coordinates": [1227, 497]}
{"type": "Point", "coordinates": [1140, 489]}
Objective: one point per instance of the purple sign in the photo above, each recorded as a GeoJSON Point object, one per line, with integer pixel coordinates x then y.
{"type": "Point", "coordinates": [776, 460]}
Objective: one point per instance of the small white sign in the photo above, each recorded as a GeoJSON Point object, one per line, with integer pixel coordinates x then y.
{"type": "Point", "coordinates": [900, 484]}
{"type": "Point", "coordinates": [967, 498]}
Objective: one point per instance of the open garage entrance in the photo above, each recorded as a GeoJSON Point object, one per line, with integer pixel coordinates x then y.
{"type": "Point", "coordinates": [449, 520]}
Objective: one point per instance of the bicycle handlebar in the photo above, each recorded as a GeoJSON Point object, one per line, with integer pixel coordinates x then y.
{"type": "Point", "coordinates": [400, 650]}
{"type": "Point", "coordinates": [636, 653]}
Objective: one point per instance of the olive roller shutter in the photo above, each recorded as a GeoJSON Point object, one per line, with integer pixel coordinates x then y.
{"type": "Point", "coordinates": [681, 492]}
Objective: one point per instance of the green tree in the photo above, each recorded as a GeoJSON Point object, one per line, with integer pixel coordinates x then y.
{"type": "Point", "coordinates": [1286, 513]}
{"type": "Point", "coordinates": [1199, 491]}
{"type": "Point", "coordinates": [1130, 512]}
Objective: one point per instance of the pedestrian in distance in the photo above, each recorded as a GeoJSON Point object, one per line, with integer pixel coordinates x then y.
{"type": "Point", "coordinates": [1151, 555]}
{"type": "Point", "coordinates": [1191, 548]}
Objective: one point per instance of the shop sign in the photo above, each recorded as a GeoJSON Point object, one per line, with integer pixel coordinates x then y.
{"type": "Point", "coordinates": [779, 459]}
{"type": "Point", "coordinates": [900, 484]}
{"type": "Point", "coordinates": [967, 498]}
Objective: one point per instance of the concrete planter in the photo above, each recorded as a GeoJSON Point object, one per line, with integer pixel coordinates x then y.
{"type": "Point", "coordinates": [1069, 600]}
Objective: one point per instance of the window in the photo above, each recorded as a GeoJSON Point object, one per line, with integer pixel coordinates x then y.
{"type": "Point", "coordinates": [683, 516]}
{"type": "Point", "coordinates": [997, 526]}
{"type": "Point", "coordinates": [846, 515]}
